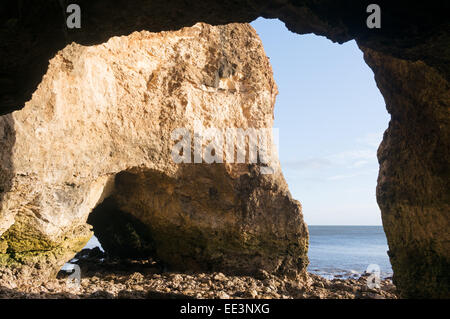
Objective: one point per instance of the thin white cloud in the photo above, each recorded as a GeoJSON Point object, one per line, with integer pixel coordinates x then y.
{"type": "Point", "coordinates": [307, 164]}
{"type": "Point", "coordinates": [359, 164]}
{"type": "Point", "coordinates": [355, 159]}
{"type": "Point", "coordinates": [338, 177]}
{"type": "Point", "coordinates": [352, 159]}
{"type": "Point", "coordinates": [352, 155]}
{"type": "Point", "coordinates": [371, 139]}
{"type": "Point", "coordinates": [356, 174]}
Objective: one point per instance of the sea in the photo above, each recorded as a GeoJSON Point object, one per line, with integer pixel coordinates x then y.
{"type": "Point", "coordinates": [337, 251]}
{"type": "Point", "coordinates": [347, 251]}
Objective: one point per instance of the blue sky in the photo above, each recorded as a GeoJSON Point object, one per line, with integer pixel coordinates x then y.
{"type": "Point", "coordinates": [331, 118]}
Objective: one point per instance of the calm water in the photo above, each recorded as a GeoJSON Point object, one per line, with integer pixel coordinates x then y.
{"type": "Point", "coordinates": [343, 251]}
{"type": "Point", "coordinates": [347, 250]}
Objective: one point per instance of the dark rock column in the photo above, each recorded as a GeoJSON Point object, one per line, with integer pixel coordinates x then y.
{"type": "Point", "coordinates": [413, 183]}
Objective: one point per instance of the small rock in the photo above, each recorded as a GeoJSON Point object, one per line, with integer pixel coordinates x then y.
{"type": "Point", "coordinates": [219, 276]}
{"type": "Point", "coordinates": [253, 293]}
{"type": "Point", "coordinates": [223, 295]}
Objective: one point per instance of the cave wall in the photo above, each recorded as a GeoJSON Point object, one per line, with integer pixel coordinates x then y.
{"type": "Point", "coordinates": [414, 178]}
{"type": "Point", "coordinates": [409, 30]}
{"type": "Point", "coordinates": [410, 56]}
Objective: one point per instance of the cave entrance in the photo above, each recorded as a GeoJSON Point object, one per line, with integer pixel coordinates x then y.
{"type": "Point", "coordinates": [130, 239]}
{"type": "Point", "coordinates": [121, 242]}
{"type": "Point", "coordinates": [331, 118]}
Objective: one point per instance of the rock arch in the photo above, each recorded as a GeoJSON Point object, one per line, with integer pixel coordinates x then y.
{"type": "Point", "coordinates": [115, 157]}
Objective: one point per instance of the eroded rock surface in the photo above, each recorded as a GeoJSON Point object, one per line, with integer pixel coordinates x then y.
{"type": "Point", "coordinates": [97, 133]}
{"type": "Point", "coordinates": [414, 179]}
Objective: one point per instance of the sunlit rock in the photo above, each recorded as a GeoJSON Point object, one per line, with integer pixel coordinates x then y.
{"type": "Point", "coordinates": [97, 134]}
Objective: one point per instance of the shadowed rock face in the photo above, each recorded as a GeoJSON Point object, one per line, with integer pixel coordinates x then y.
{"type": "Point", "coordinates": [98, 133]}
{"type": "Point", "coordinates": [414, 176]}
{"type": "Point", "coordinates": [412, 31]}
{"type": "Point", "coordinates": [410, 56]}
{"type": "Point", "coordinates": [205, 220]}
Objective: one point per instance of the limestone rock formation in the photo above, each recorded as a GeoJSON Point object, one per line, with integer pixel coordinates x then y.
{"type": "Point", "coordinates": [413, 42]}
{"type": "Point", "coordinates": [97, 135]}
{"type": "Point", "coordinates": [414, 179]}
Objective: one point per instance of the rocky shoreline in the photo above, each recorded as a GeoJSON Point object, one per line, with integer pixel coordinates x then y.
{"type": "Point", "coordinates": [104, 278]}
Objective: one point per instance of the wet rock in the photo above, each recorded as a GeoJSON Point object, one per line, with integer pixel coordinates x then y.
{"type": "Point", "coordinates": [127, 294]}
{"type": "Point", "coordinates": [87, 253]}
{"type": "Point", "coordinates": [100, 295]}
